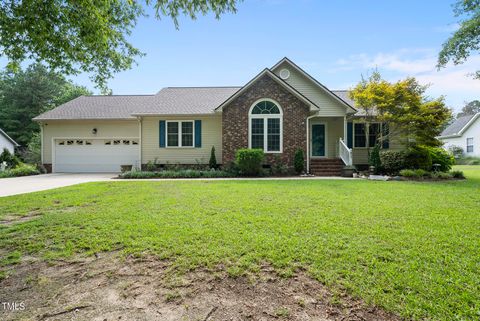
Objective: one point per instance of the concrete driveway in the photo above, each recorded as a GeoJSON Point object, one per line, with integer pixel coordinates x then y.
{"type": "Point", "coordinates": [28, 184]}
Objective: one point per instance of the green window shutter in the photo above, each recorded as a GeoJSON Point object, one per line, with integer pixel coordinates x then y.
{"type": "Point", "coordinates": [198, 133]}
{"type": "Point", "coordinates": [385, 142]}
{"type": "Point", "coordinates": [162, 128]}
{"type": "Point", "coordinates": [349, 134]}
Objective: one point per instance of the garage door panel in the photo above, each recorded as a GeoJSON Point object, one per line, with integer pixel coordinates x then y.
{"type": "Point", "coordinates": [97, 156]}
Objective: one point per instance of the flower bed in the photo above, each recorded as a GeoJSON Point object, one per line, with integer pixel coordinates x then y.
{"type": "Point", "coordinates": [184, 173]}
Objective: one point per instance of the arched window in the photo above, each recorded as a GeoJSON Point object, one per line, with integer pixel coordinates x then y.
{"type": "Point", "coordinates": [265, 126]}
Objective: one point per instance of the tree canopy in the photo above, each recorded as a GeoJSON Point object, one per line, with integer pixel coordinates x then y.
{"type": "Point", "coordinates": [404, 105]}
{"type": "Point", "coordinates": [74, 36]}
{"type": "Point", "coordinates": [28, 93]}
{"type": "Point", "coordinates": [470, 108]}
{"type": "Point", "coordinates": [466, 39]}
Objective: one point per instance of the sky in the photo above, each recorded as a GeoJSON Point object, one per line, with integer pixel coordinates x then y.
{"type": "Point", "coordinates": [334, 41]}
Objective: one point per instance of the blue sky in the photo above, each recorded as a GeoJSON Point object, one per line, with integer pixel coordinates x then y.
{"type": "Point", "coordinates": [334, 41]}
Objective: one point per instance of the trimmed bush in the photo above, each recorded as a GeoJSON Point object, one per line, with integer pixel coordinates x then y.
{"type": "Point", "coordinates": [186, 173]}
{"type": "Point", "coordinates": [299, 161]}
{"type": "Point", "coordinates": [249, 161]}
{"type": "Point", "coordinates": [418, 157]}
{"type": "Point", "coordinates": [213, 159]}
{"type": "Point", "coordinates": [392, 161]}
{"type": "Point", "coordinates": [457, 174]}
{"type": "Point", "coordinates": [20, 170]}
{"type": "Point", "coordinates": [441, 157]}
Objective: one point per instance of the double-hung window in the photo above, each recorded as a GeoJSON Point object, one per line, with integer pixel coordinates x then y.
{"type": "Point", "coordinates": [265, 130]}
{"type": "Point", "coordinates": [369, 134]}
{"type": "Point", "coordinates": [470, 145]}
{"type": "Point", "coordinates": [180, 133]}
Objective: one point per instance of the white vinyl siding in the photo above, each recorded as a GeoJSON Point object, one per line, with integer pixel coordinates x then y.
{"type": "Point", "coordinates": [211, 136]}
{"type": "Point", "coordinates": [328, 105]}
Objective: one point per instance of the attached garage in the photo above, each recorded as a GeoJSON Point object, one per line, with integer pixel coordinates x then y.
{"type": "Point", "coordinates": [79, 155]}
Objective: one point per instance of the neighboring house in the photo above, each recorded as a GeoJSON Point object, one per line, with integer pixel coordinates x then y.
{"type": "Point", "coordinates": [7, 142]}
{"type": "Point", "coordinates": [280, 110]}
{"type": "Point", "coordinates": [465, 133]}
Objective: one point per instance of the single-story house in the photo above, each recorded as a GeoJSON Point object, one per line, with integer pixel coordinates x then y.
{"type": "Point", "coordinates": [464, 132]}
{"type": "Point", "coordinates": [6, 142]}
{"type": "Point", "coordinates": [280, 110]}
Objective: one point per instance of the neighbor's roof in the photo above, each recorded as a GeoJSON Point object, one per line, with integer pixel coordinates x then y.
{"type": "Point", "coordinates": [459, 125]}
{"type": "Point", "coordinates": [98, 107]}
{"type": "Point", "coordinates": [8, 137]}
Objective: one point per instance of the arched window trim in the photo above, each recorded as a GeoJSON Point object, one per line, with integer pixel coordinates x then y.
{"type": "Point", "coordinates": [265, 118]}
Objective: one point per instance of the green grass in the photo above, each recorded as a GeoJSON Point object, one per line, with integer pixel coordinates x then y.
{"type": "Point", "coordinates": [412, 248]}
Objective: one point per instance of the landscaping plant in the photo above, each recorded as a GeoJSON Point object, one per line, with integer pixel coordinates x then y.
{"type": "Point", "coordinates": [374, 159]}
{"type": "Point", "coordinates": [249, 161]}
{"type": "Point", "coordinates": [392, 161]}
{"type": "Point", "coordinates": [299, 161]}
{"type": "Point", "coordinates": [213, 159]}
{"type": "Point", "coordinates": [9, 158]}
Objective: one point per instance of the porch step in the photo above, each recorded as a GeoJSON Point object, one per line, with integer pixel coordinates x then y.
{"type": "Point", "coordinates": [326, 166]}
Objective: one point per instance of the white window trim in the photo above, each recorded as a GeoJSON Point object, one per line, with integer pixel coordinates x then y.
{"type": "Point", "coordinates": [367, 129]}
{"type": "Point", "coordinates": [473, 144]}
{"type": "Point", "coordinates": [179, 133]}
{"type": "Point", "coordinates": [265, 125]}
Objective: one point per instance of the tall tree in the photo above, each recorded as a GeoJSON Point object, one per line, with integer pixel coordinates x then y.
{"type": "Point", "coordinates": [466, 39]}
{"type": "Point", "coordinates": [404, 105]}
{"type": "Point", "coordinates": [73, 36]}
{"type": "Point", "coordinates": [470, 108]}
{"type": "Point", "coordinates": [26, 94]}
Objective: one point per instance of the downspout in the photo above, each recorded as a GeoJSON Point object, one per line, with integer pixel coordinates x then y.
{"type": "Point", "coordinates": [140, 140]}
{"type": "Point", "coordinates": [308, 141]}
{"type": "Point", "coordinates": [41, 143]}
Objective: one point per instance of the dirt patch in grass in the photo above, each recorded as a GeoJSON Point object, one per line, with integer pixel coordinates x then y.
{"type": "Point", "coordinates": [108, 287]}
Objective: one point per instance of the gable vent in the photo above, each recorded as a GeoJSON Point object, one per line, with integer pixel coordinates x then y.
{"type": "Point", "coordinates": [284, 74]}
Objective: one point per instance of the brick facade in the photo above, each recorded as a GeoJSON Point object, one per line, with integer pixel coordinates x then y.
{"type": "Point", "coordinates": [235, 120]}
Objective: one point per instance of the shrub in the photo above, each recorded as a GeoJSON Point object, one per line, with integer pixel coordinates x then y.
{"type": "Point", "coordinates": [9, 158]}
{"type": "Point", "coordinates": [278, 167]}
{"type": "Point", "coordinates": [408, 173]}
{"type": "Point", "coordinates": [418, 157]}
{"type": "Point", "coordinates": [299, 161]}
{"type": "Point", "coordinates": [456, 151]}
{"type": "Point", "coordinates": [441, 157]}
{"type": "Point", "coordinates": [457, 174]}
{"type": "Point", "coordinates": [415, 173]}
{"type": "Point", "coordinates": [249, 161]}
{"type": "Point", "coordinates": [185, 173]}
{"type": "Point", "coordinates": [392, 161]}
{"type": "Point", "coordinates": [20, 170]}
{"type": "Point", "coordinates": [468, 161]}
{"type": "Point", "coordinates": [374, 159]}
{"type": "Point", "coordinates": [441, 175]}
{"type": "Point", "coordinates": [213, 159]}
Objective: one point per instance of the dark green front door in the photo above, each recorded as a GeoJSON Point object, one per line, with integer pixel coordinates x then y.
{"type": "Point", "coordinates": [318, 140]}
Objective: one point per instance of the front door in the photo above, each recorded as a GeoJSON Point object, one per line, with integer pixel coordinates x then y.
{"type": "Point", "coordinates": [318, 139]}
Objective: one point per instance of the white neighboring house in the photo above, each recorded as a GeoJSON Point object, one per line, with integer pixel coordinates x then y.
{"type": "Point", "coordinates": [465, 133]}
{"type": "Point", "coordinates": [7, 142]}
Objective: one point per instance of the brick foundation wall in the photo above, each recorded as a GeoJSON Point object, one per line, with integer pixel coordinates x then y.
{"type": "Point", "coordinates": [235, 120]}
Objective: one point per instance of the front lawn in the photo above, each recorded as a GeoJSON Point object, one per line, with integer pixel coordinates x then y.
{"type": "Point", "coordinates": [409, 247]}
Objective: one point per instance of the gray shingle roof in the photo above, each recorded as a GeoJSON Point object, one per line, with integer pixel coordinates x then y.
{"type": "Point", "coordinates": [455, 127]}
{"type": "Point", "coordinates": [188, 100]}
{"type": "Point", "coordinates": [168, 101]}
{"type": "Point", "coordinates": [98, 107]}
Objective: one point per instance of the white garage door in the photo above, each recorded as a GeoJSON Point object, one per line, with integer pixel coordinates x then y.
{"type": "Point", "coordinates": [95, 155]}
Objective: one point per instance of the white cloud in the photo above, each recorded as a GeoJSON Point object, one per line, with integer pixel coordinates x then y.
{"type": "Point", "coordinates": [454, 82]}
